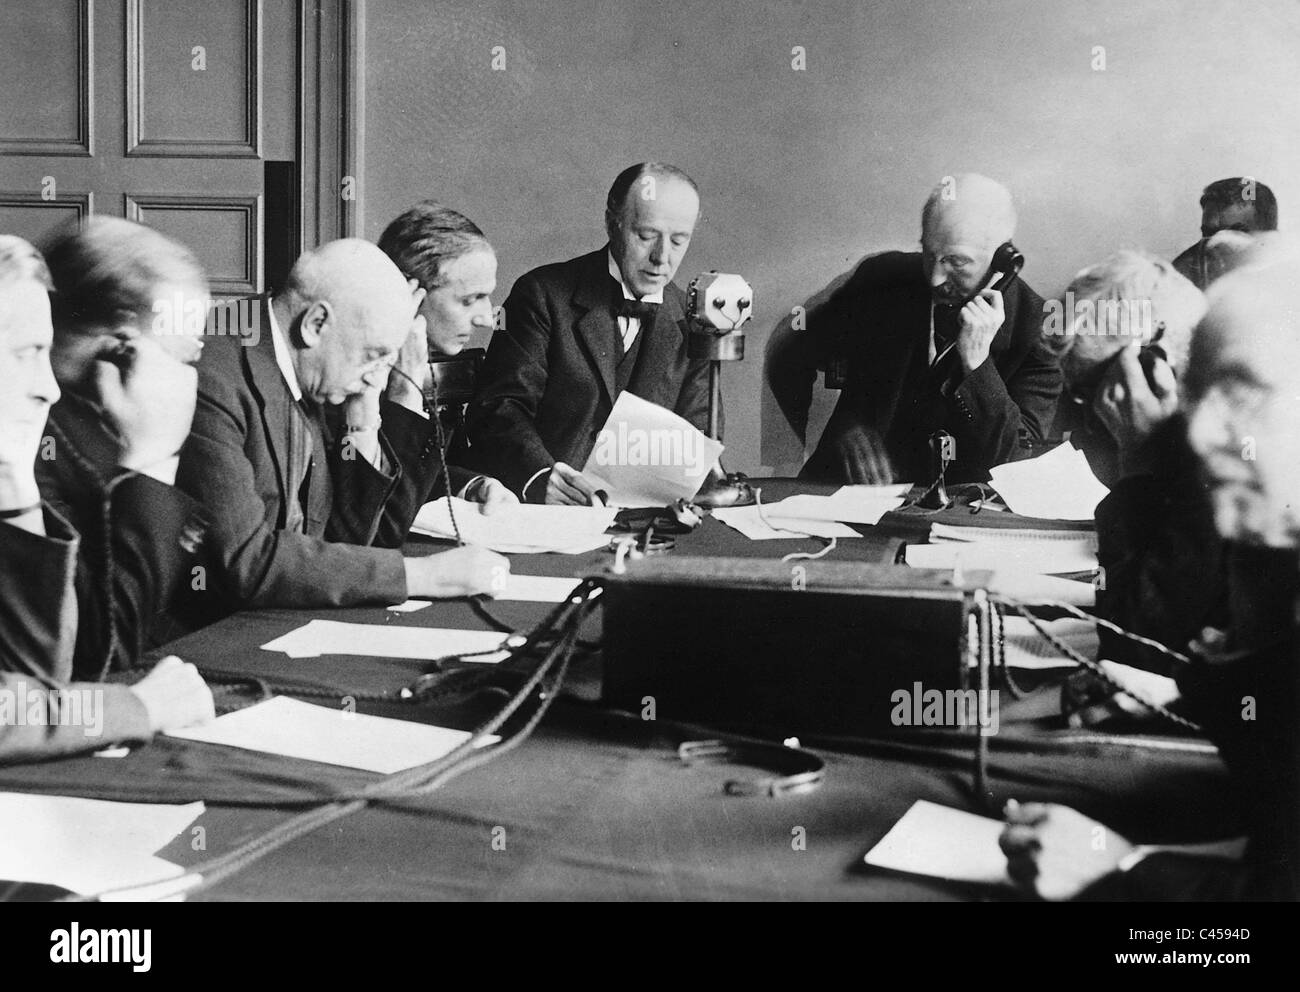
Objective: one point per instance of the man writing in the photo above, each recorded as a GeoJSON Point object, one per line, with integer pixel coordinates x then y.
{"type": "Point", "coordinates": [580, 332]}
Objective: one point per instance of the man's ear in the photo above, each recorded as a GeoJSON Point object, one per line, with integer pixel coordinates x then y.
{"type": "Point", "coordinates": [312, 323]}
{"type": "Point", "coordinates": [611, 226]}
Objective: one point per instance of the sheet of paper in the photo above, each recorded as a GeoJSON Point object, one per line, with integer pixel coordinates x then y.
{"type": "Point", "coordinates": [1026, 648]}
{"type": "Point", "coordinates": [1010, 535]}
{"type": "Point", "coordinates": [318, 637]}
{"type": "Point", "coordinates": [410, 606]}
{"type": "Point", "coordinates": [945, 843]}
{"type": "Point", "coordinates": [524, 528]}
{"type": "Point", "coordinates": [537, 588]}
{"type": "Point", "coordinates": [648, 456]}
{"type": "Point", "coordinates": [295, 729]}
{"type": "Point", "coordinates": [763, 526]}
{"type": "Point", "coordinates": [1030, 589]}
{"type": "Point", "coordinates": [849, 504]}
{"type": "Point", "coordinates": [87, 845]}
{"type": "Point", "coordinates": [1033, 559]}
{"type": "Point", "coordinates": [1056, 486]}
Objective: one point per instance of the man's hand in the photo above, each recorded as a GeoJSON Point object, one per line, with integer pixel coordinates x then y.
{"type": "Point", "coordinates": [567, 486]}
{"type": "Point", "coordinates": [466, 571]}
{"type": "Point", "coordinates": [149, 397]}
{"type": "Point", "coordinates": [491, 494]}
{"type": "Point", "coordinates": [980, 320]}
{"type": "Point", "coordinates": [412, 364]}
{"type": "Point", "coordinates": [1057, 852]}
{"type": "Point", "coordinates": [1131, 408]}
{"type": "Point", "coordinates": [174, 696]}
{"type": "Point", "coordinates": [862, 457]}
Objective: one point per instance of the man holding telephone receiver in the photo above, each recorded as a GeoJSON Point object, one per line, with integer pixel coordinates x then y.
{"type": "Point", "coordinates": [948, 339]}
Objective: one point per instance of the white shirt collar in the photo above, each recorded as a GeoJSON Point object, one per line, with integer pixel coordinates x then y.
{"type": "Point", "coordinates": [283, 358]}
{"type": "Point", "coordinates": [617, 274]}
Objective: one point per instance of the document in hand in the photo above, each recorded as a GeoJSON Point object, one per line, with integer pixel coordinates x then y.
{"type": "Point", "coordinates": [87, 845]}
{"type": "Point", "coordinates": [1056, 486]}
{"type": "Point", "coordinates": [523, 528]}
{"type": "Point", "coordinates": [648, 456]}
{"type": "Point", "coordinates": [336, 737]}
{"type": "Point", "coordinates": [944, 843]}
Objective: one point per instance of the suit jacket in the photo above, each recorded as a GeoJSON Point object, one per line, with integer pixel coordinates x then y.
{"type": "Point", "coordinates": [549, 380]}
{"type": "Point", "coordinates": [38, 622]}
{"type": "Point", "coordinates": [879, 321]}
{"type": "Point", "coordinates": [236, 463]}
{"type": "Point", "coordinates": [138, 538]}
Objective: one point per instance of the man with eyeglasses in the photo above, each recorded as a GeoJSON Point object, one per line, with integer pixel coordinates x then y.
{"type": "Point", "coordinates": [301, 502]}
{"type": "Point", "coordinates": [928, 344]}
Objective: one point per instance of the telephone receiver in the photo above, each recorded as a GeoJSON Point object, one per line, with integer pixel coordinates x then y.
{"type": "Point", "coordinates": [1005, 266]}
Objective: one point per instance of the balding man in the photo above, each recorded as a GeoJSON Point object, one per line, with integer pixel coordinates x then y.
{"type": "Point", "coordinates": [927, 347]}
{"type": "Point", "coordinates": [298, 499]}
{"type": "Point", "coordinates": [578, 333]}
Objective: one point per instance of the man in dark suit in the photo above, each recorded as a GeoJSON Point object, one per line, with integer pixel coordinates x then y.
{"type": "Point", "coordinates": [1240, 206]}
{"type": "Point", "coordinates": [308, 512]}
{"type": "Point", "coordinates": [39, 588]}
{"type": "Point", "coordinates": [927, 347]}
{"type": "Point", "coordinates": [108, 462]}
{"type": "Point", "coordinates": [578, 333]}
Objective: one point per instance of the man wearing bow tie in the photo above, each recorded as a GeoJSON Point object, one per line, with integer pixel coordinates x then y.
{"type": "Point", "coordinates": [578, 333]}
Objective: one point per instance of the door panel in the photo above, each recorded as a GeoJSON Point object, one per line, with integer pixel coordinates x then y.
{"type": "Point", "coordinates": [153, 110]}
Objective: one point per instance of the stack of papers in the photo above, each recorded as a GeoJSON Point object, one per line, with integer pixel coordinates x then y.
{"type": "Point", "coordinates": [1014, 551]}
{"type": "Point", "coordinates": [87, 845]}
{"type": "Point", "coordinates": [815, 516]}
{"type": "Point", "coordinates": [524, 528]}
{"type": "Point", "coordinates": [1056, 486]}
{"type": "Point", "coordinates": [1026, 648]}
{"type": "Point", "coordinates": [646, 455]}
{"type": "Point", "coordinates": [336, 737]}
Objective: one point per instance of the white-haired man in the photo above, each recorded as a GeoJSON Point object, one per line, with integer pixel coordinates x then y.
{"type": "Point", "coordinates": [928, 347]}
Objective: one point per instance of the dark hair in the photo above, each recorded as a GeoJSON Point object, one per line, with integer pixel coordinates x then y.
{"type": "Point", "coordinates": [20, 261]}
{"type": "Point", "coordinates": [428, 236]}
{"type": "Point", "coordinates": [105, 266]}
{"type": "Point", "coordinates": [1230, 192]}
{"type": "Point", "coordinates": [617, 197]}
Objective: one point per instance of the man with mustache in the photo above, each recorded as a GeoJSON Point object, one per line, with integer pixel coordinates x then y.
{"type": "Point", "coordinates": [578, 333]}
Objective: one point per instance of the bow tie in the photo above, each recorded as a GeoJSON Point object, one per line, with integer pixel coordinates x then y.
{"type": "Point", "coordinates": [644, 312]}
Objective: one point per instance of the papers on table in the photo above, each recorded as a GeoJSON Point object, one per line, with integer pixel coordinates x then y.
{"type": "Point", "coordinates": [945, 843]}
{"type": "Point", "coordinates": [1057, 486]}
{"type": "Point", "coordinates": [336, 737]}
{"type": "Point", "coordinates": [319, 637]}
{"type": "Point", "coordinates": [1051, 559]}
{"type": "Point", "coordinates": [1026, 648]}
{"type": "Point", "coordinates": [1008, 551]}
{"type": "Point", "coordinates": [1030, 589]}
{"type": "Point", "coordinates": [524, 528]}
{"type": "Point", "coordinates": [536, 589]}
{"type": "Point", "coordinates": [87, 845]}
{"type": "Point", "coordinates": [759, 525]}
{"type": "Point", "coordinates": [518, 589]}
{"type": "Point", "coordinates": [648, 456]}
{"type": "Point", "coordinates": [814, 516]}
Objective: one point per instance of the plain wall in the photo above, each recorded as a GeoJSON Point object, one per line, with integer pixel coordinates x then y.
{"type": "Point", "coordinates": [805, 172]}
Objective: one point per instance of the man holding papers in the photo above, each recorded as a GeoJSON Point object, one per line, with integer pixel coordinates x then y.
{"type": "Point", "coordinates": [579, 333]}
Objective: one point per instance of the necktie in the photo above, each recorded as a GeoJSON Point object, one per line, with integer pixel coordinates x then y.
{"type": "Point", "coordinates": [947, 325]}
{"type": "Point", "coordinates": [644, 312]}
{"type": "Point", "coordinates": [301, 448]}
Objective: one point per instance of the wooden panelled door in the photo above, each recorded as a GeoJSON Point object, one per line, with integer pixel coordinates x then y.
{"type": "Point", "coordinates": [180, 114]}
